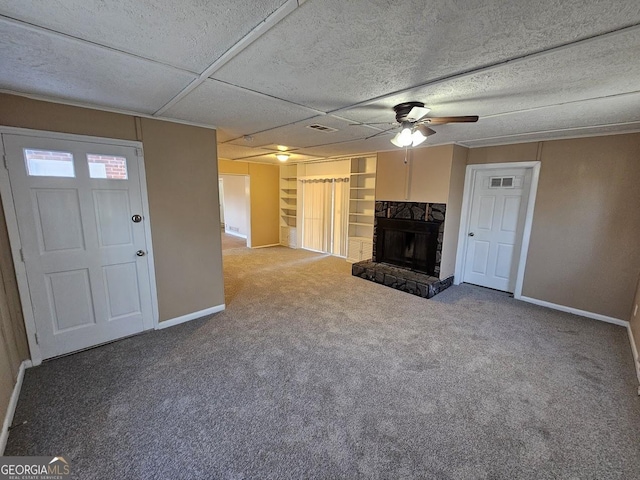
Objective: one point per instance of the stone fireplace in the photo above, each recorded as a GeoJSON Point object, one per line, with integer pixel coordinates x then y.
{"type": "Point", "coordinates": [407, 248]}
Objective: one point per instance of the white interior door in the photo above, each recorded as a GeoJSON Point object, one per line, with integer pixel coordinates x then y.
{"type": "Point", "coordinates": [498, 210]}
{"type": "Point", "coordinates": [83, 249]}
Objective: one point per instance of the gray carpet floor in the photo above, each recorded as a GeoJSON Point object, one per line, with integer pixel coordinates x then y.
{"type": "Point", "coordinates": [312, 373]}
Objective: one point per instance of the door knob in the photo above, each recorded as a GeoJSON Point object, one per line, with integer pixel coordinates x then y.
{"type": "Point", "coordinates": [471, 234]}
{"type": "Point", "coordinates": [141, 253]}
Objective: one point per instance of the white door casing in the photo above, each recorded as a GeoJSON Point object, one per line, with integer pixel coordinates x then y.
{"type": "Point", "coordinates": [85, 281]}
{"type": "Point", "coordinates": [496, 224]}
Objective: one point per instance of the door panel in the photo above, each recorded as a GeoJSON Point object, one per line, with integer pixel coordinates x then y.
{"type": "Point", "coordinates": [510, 214]}
{"type": "Point", "coordinates": [480, 257]}
{"type": "Point", "coordinates": [485, 213]}
{"type": "Point", "coordinates": [121, 282]}
{"type": "Point", "coordinates": [113, 216]}
{"type": "Point", "coordinates": [498, 208]}
{"type": "Point", "coordinates": [70, 299]}
{"type": "Point", "coordinates": [504, 258]}
{"type": "Point", "coordinates": [74, 203]}
{"type": "Point", "coordinates": [58, 219]}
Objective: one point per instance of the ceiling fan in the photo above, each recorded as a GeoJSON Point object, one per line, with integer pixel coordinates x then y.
{"type": "Point", "coordinates": [411, 118]}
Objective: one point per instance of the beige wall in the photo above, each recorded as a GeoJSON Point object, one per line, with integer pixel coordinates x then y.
{"type": "Point", "coordinates": [634, 320]}
{"type": "Point", "coordinates": [454, 210]}
{"type": "Point", "coordinates": [583, 248]}
{"type": "Point", "coordinates": [264, 186]}
{"type": "Point", "coordinates": [265, 204]}
{"type": "Point", "coordinates": [13, 341]}
{"type": "Point", "coordinates": [336, 167]}
{"type": "Point", "coordinates": [181, 168]}
{"type": "Point", "coordinates": [424, 178]}
{"type": "Point", "coordinates": [182, 183]}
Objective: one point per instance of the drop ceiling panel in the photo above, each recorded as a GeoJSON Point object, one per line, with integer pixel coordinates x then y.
{"type": "Point", "coordinates": [592, 69]}
{"type": "Point", "coordinates": [189, 34]}
{"type": "Point", "coordinates": [236, 111]}
{"type": "Point", "coordinates": [235, 152]}
{"type": "Point", "coordinates": [271, 158]}
{"type": "Point", "coordinates": [34, 61]}
{"type": "Point", "coordinates": [332, 54]}
{"type": "Point", "coordinates": [354, 147]}
{"type": "Point", "coordinates": [592, 117]}
{"type": "Point", "coordinates": [611, 115]}
{"type": "Point", "coordinates": [301, 136]}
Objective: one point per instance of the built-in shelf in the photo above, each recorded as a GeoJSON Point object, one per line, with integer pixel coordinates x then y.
{"type": "Point", "coordinates": [363, 224]}
{"type": "Point", "coordinates": [361, 211]}
{"type": "Point", "coordinates": [288, 205]}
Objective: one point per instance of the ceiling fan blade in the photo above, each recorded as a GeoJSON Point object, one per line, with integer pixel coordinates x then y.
{"type": "Point", "coordinates": [376, 123]}
{"type": "Point", "coordinates": [424, 130]}
{"type": "Point", "coordinates": [416, 113]}
{"type": "Point", "coordinates": [443, 120]}
{"type": "Point", "coordinates": [382, 133]}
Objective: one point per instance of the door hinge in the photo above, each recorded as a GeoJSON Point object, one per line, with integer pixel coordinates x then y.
{"type": "Point", "coordinates": [22, 255]}
{"type": "Point", "coordinates": [138, 151]}
{"type": "Point", "coordinates": [4, 161]}
{"type": "Point", "coordinates": [36, 337]}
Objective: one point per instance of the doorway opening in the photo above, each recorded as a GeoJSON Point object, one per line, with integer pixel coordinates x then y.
{"type": "Point", "coordinates": [235, 209]}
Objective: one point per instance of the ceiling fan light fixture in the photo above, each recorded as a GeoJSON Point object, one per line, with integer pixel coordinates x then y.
{"type": "Point", "coordinates": [417, 138]}
{"type": "Point", "coordinates": [283, 157]}
{"type": "Point", "coordinates": [405, 137]}
{"type": "Point", "coordinates": [395, 140]}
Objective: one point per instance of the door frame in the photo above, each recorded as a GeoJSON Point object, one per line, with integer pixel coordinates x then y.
{"type": "Point", "coordinates": [6, 193]}
{"type": "Point", "coordinates": [465, 217]}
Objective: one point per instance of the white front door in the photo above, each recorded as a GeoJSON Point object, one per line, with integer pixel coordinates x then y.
{"type": "Point", "coordinates": [83, 246]}
{"type": "Point", "coordinates": [498, 210]}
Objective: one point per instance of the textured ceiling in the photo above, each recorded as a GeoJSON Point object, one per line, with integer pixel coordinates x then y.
{"type": "Point", "coordinates": [263, 71]}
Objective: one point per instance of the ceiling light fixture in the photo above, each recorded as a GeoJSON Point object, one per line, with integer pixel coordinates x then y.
{"type": "Point", "coordinates": [282, 148]}
{"type": "Point", "coordinates": [411, 135]}
{"type": "Point", "coordinates": [283, 157]}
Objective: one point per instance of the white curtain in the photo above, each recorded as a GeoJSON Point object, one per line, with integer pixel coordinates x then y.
{"type": "Point", "coordinates": [340, 217]}
{"type": "Point", "coordinates": [325, 213]}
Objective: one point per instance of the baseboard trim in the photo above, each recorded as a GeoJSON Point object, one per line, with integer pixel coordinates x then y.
{"type": "Point", "coordinates": [235, 234]}
{"type": "Point", "coordinates": [13, 403]}
{"type": "Point", "coordinates": [634, 350]}
{"type": "Point", "coordinates": [190, 316]}
{"type": "Point", "coordinates": [271, 245]}
{"type": "Point", "coordinates": [575, 311]}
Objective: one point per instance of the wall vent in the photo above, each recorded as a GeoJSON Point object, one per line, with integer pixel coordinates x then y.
{"type": "Point", "coordinates": [322, 128]}
{"type": "Point", "coordinates": [234, 229]}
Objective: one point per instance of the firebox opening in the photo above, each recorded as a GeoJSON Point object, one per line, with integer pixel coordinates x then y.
{"type": "Point", "coordinates": [407, 243]}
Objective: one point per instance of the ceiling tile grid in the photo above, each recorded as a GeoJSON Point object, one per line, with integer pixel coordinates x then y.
{"type": "Point", "coordinates": [236, 111]}
{"type": "Point", "coordinates": [189, 34]}
{"type": "Point", "coordinates": [331, 54]}
{"type": "Point", "coordinates": [38, 62]}
{"type": "Point", "coordinates": [526, 68]}
{"type": "Point", "coordinates": [587, 70]}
